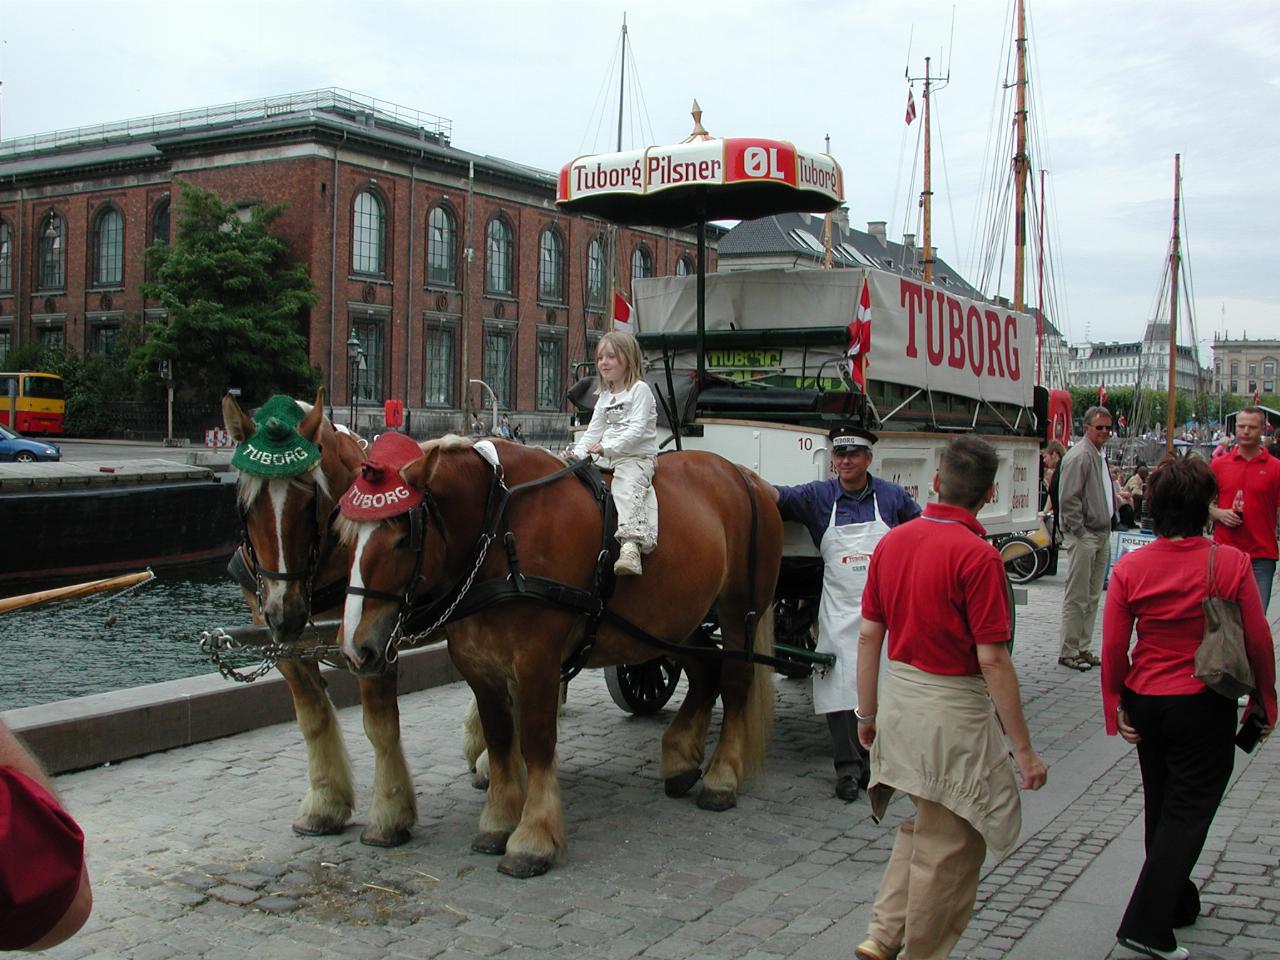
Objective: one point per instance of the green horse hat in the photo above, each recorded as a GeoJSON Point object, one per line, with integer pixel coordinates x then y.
{"type": "Point", "coordinates": [276, 449]}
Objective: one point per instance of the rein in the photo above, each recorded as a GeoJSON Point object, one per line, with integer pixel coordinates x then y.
{"type": "Point", "coordinates": [461, 600]}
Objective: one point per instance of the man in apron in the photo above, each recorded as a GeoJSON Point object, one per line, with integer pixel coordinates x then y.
{"type": "Point", "coordinates": [846, 516]}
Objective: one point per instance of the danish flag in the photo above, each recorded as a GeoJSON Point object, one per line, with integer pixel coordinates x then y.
{"type": "Point", "coordinates": [911, 107]}
{"type": "Point", "coordinates": [622, 314]}
{"type": "Point", "coordinates": [860, 337]}
{"type": "Point", "coordinates": [1102, 394]}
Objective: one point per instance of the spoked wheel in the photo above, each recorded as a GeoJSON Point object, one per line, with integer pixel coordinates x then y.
{"type": "Point", "coordinates": [644, 688]}
{"type": "Point", "coordinates": [1023, 560]}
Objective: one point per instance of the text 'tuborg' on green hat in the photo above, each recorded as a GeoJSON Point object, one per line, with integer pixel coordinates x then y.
{"type": "Point", "coordinates": [276, 449]}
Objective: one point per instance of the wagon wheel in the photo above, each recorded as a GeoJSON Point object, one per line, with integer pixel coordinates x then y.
{"type": "Point", "coordinates": [643, 688]}
{"type": "Point", "coordinates": [1022, 561]}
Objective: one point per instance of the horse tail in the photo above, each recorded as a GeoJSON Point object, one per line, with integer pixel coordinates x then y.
{"type": "Point", "coordinates": [758, 711]}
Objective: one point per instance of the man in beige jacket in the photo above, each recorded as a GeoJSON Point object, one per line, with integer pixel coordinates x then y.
{"type": "Point", "coordinates": [1086, 516]}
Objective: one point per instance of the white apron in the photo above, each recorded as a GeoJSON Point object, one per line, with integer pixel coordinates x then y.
{"type": "Point", "coordinates": [846, 555]}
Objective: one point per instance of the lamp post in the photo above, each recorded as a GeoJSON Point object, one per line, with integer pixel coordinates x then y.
{"type": "Point", "coordinates": [354, 355]}
{"type": "Point", "coordinates": [493, 428]}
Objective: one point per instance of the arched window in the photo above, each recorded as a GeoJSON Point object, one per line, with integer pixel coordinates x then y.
{"type": "Point", "coordinates": [498, 260]}
{"type": "Point", "coordinates": [551, 266]}
{"type": "Point", "coordinates": [6, 257]}
{"type": "Point", "coordinates": [442, 248]}
{"type": "Point", "coordinates": [641, 263]}
{"type": "Point", "coordinates": [595, 274]}
{"type": "Point", "coordinates": [108, 248]}
{"type": "Point", "coordinates": [368, 234]}
{"type": "Point", "coordinates": [51, 253]}
{"type": "Point", "coordinates": [160, 222]}
{"type": "Point", "coordinates": [684, 267]}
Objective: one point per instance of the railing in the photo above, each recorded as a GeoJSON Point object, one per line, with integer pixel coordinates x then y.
{"type": "Point", "coordinates": [331, 98]}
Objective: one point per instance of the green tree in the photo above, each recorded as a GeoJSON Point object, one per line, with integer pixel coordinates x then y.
{"type": "Point", "coordinates": [237, 306]}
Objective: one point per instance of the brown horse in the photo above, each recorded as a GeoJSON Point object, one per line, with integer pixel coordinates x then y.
{"type": "Point", "coordinates": [719, 546]}
{"type": "Point", "coordinates": [293, 552]}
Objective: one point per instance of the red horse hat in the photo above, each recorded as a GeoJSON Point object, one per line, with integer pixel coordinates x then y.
{"type": "Point", "coordinates": [379, 491]}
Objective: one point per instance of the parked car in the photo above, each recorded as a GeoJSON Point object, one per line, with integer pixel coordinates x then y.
{"type": "Point", "coordinates": [17, 448]}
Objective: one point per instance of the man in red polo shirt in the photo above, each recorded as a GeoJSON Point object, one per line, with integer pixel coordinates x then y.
{"type": "Point", "coordinates": [933, 719]}
{"type": "Point", "coordinates": [1248, 497]}
{"type": "Point", "coordinates": [45, 895]}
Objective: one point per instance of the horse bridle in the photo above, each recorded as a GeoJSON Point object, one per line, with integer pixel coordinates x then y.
{"type": "Point", "coordinates": [320, 543]}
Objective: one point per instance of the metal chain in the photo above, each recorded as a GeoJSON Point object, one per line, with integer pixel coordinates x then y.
{"type": "Point", "coordinates": [219, 647]}
{"type": "Point", "coordinates": [398, 641]}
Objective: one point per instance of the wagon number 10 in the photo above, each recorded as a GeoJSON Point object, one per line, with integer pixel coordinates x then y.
{"type": "Point", "coordinates": [806, 443]}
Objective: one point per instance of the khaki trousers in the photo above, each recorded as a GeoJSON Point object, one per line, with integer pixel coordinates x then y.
{"type": "Point", "coordinates": [636, 501]}
{"type": "Point", "coordinates": [1086, 569]}
{"type": "Point", "coordinates": [928, 889]}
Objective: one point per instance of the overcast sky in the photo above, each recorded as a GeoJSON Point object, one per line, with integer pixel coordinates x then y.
{"type": "Point", "coordinates": [1119, 87]}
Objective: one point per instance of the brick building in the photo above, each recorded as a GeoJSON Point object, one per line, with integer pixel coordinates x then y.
{"type": "Point", "coordinates": [446, 266]}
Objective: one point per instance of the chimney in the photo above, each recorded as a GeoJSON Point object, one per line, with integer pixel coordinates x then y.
{"type": "Point", "coordinates": [840, 217]}
{"type": "Point", "coordinates": [909, 240]}
{"type": "Point", "coordinates": [877, 229]}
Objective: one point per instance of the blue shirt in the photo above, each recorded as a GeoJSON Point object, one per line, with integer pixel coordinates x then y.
{"type": "Point", "coordinates": [810, 504]}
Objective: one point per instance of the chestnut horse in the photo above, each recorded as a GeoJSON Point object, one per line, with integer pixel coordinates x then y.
{"type": "Point", "coordinates": [719, 546]}
{"type": "Point", "coordinates": [288, 525]}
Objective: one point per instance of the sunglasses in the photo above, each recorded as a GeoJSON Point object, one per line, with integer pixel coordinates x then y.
{"type": "Point", "coordinates": [1101, 426]}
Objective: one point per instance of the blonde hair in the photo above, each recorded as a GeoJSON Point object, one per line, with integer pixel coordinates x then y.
{"type": "Point", "coordinates": [626, 347]}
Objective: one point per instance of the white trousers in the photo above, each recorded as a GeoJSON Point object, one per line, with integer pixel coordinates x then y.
{"type": "Point", "coordinates": [635, 501]}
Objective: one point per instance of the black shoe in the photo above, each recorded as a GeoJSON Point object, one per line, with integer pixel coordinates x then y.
{"type": "Point", "coordinates": [1177, 953]}
{"type": "Point", "coordinates": [847, 789]}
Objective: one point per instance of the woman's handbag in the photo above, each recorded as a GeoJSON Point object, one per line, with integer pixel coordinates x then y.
{"type": "Point", "coordinates": [1221, 663]}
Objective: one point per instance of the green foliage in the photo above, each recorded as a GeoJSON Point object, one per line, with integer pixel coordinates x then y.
{"type": "Point", "coordinates": [1120, 400]}
{"type": "Point", "coordinates": [237, 307]}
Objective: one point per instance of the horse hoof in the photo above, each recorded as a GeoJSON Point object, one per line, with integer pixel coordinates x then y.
{"type": "Point", "coordinates": [315, 827]}
{"type": "Point", "coordinates": [523, 867]}
{"type": "Point", "coordinates": [681, 783]}
{"type": "Point", "coordinates": [480, 782]}
{"type": "Point", "coordinates": [491, 843]}
{"type": "Point", "coordinates": [376, 838]}
{"type": "Point", "coordinates": [717, 800]}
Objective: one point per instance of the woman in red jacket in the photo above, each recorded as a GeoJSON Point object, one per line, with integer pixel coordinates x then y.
{"type": "Point", "coordinates": [1183, 730]}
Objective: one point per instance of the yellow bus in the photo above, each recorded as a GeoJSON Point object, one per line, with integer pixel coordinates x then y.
{"type": "Point", "coordinates": [32, 402]}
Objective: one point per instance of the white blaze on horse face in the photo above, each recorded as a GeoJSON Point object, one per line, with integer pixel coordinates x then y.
{"type": "Point", "coordinates": [273, 589]}
{"type": "Point", "coordinates": [353, 612]}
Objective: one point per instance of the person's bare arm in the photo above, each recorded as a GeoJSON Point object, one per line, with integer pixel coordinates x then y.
{"type": "Point", "coordinates": [1002, 684]}
{"type": "Point", "coordinates": [870, 640]}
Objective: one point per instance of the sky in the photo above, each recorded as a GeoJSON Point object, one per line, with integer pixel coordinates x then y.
{"type": "Point", "coordinates": [1117, 89]}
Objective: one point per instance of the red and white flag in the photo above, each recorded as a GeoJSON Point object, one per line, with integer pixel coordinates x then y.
{"type": "Point", "coordinates": [860, 337]}
{"type": "Point", "coordinates": [911, 107]}
{"type": "Point", "coordinates": [1256, 398]}
{"type": "Point", "coordinates": [622, 314]}
{"type": "Point", "coordinates": [1102, 394]}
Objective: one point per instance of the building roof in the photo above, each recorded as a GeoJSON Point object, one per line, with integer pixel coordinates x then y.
{"type": "Point", "coordinates": [801, 235]}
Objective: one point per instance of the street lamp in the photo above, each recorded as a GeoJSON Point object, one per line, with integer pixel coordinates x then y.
{"type": "Point", "coordinates": [494, 397]}
{"type": "Point", "coordinates": [354, 355]}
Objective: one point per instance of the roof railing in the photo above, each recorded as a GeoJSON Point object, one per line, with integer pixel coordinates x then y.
{"type": "Point", "coordinates": [358, 106]}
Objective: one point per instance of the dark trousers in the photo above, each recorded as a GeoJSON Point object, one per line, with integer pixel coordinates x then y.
{"type": "Point", "coordinates": [1186, 756]}
{"type": "Point", "coordinates": [850, 759]}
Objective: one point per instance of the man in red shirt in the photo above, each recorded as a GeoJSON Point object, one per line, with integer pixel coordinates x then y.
{"type": "Point", "coordinates": [933, 720]}
{"type": "Point", "coordinates": [1248, 497]}
{"type": "Point", "coordinates": [44, 887]}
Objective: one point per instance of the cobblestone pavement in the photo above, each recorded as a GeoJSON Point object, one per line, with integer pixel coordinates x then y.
{"type": "Point", "coordinates": [192, 856]}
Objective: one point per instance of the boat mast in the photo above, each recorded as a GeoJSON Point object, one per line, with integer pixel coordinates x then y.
{"type": "Point", "coordinates": [1040, 287]}
{"type": "Point", "coordinates": [926, 195]}
{"type": "Point", "coordinates": [1175, 260]}
{"type": "Point", "coordinates": [612, 230]}
{"type": "Point", "coordinates": [1020, 164]}
{"type": "Point", "coordinates": [826, 226]}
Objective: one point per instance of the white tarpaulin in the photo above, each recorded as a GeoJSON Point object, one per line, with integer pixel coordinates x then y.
{"type": "Point", "coordinates": [921, 336]}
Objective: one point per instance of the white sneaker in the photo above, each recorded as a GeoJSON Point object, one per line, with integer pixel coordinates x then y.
{"type": "Point", "coordinates": [628, 563]}
{"type": "Point", "coordinates": [1177, 953]}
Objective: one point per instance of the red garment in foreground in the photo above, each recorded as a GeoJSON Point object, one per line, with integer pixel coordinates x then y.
{"type": "Point", "coordinates": [41, 857]}
{"type": "Point", "coordinates": [1162, 586]}
{"type": "Point", "coordinates": [940, 589]}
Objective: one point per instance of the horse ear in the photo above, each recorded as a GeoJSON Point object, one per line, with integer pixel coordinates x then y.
{"type": "Point", "coordinates": [237, 422]}
{"type": "Point", "coordinates": [419, 473]}
{"type": "Point", "coordinates": [309, 428]}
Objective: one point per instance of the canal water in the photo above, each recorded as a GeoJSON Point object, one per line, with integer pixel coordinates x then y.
{"type": "Point", "coordinates": [116, 641]}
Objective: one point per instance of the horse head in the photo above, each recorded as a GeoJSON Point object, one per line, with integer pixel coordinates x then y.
{"type": "Point", "coordinates": [288, 514]}
{"type": "Point", "coordinates": [400, 555]}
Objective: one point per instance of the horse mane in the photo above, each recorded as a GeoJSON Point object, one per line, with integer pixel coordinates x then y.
{"type": "Point", "coordinates": [248, 486]}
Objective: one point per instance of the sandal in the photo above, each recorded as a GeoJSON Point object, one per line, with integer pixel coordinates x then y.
{"type": "Point", "coordinates": [1075, 663]}
{"type": "Point", "coordinates": [872, 949]}
{"type": "Point", "coordinates": [1089, 658]}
